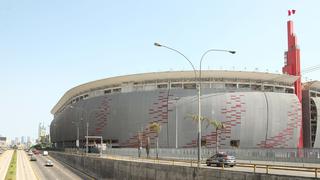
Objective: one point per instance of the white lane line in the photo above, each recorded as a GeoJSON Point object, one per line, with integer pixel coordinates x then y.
{"type": "Point", "coordinates": [63, 169]}
{"type": "Point", "coordinates": [74, 169]}
{"type": "Point", "coordinates": [28, 169]}
{"type": "Point", "coordinates": [19, 168]}
{"type": "Point", "coordinates": [36, 169]}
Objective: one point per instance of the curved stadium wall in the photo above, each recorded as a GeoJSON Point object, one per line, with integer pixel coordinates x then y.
{"type": "Point", "coordinates": [258, 109]}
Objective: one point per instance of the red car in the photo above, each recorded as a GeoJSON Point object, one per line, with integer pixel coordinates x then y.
{"type": "Point", "coordinates": [35, 152]}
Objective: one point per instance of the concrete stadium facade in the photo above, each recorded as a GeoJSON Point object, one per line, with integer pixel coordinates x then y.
{"type": "Point", "coordinates": [258, 109]}
{"type": "Point", "coordinates": [311, 114]}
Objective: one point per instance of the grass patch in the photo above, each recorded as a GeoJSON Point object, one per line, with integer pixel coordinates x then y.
{"type": "Point", "coordinates": [11, 173]}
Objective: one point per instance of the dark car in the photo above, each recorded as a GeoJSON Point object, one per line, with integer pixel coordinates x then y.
{"type": "Point", "coordinates": [220, 159]}
{"type": "Point", "coordinates": [33, 158]}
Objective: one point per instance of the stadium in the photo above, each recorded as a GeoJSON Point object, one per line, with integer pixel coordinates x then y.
{"type": "Point", "coordinates": [259, 110]}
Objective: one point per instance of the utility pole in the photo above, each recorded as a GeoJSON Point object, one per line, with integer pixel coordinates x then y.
{"type": "Point", "coordinates": [87, 139]}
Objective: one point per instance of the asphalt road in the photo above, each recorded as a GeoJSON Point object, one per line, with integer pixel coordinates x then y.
{"type": "Point", "coordinates": [295, 172]}
{"type": "Point", "coordinates": [5, 159]}
{"type": "Point", "coordinates": [57, 172]}
{"type": "Point", "coordinates": [24, 170]}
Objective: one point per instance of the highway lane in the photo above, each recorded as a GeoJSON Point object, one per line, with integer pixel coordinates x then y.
{"type": "Point", "coordinates": [57, 172]}
{"type": "Point", "coordinates": [5, 159]}
{"type": "Point", "coordinates": [24, 170]}
{"type": "Point", "coordinates": [299, 172]}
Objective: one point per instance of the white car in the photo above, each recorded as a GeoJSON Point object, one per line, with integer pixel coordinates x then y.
{"type": "Point", "coordinates": [49, 163]}
{"type": "Point", "coordinates": [45, 153]}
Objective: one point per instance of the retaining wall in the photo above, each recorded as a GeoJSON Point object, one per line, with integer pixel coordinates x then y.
{"type": "Point", "coordinates": [126, 170]}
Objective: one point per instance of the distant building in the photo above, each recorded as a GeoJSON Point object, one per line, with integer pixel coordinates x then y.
{"type": "Point", "coordinates": [41, 133]}
{"type": "Point", "coordinates": [16, 141]}
{"type": "Point", "coordinates": [3, 142]}
{"type": "Point", "coordinates": [23, 140]}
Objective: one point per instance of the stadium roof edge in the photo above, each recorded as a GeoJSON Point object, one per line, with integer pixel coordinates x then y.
{"type": "Point", "coordinates": [282, 78]}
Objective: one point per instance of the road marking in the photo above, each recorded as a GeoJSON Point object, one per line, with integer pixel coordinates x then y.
{"type": "Point", "coordinates": [72, 168]}
{"type": "Point", "coordinates": [4, 165]}
{"type": "Point", "coordinates": [35, 175]}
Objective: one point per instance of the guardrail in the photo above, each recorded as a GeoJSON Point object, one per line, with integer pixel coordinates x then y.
{"type": "Point", "coordinates": [193, 163]}
{"type": "Point", "coordinates": [267, 167]}
{"type": "Point", "coordinates": [274, 155]}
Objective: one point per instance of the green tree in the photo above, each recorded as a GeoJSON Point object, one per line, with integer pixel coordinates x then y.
{"type": "Point", "coordinates": [156, 127]}
{"type": "Point", "coordinates": [217, 125]}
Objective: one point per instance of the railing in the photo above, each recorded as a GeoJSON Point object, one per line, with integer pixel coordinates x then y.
{"type": "Point", "coordinates": [187, 157]}
{"type": "Point", "coordinates": [275, 155]}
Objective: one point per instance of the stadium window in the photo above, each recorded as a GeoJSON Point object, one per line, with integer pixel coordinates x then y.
{"type": "Point", "coordinates": [81, 97]}
{"type": "Point", "coordinates": [205, 85]}
{"type": "Point", "coordinates": [116, 90]}
{"type": "Point", "coordinates": [203, 142]}
{"type": "Point", "coordinates": [268, 88]}
{"type": "Point", "coordinates": [138, 87]}
{"type": "Point", "coordinates": [86, 96]}
{"type": "Point", "coordinates": [176, 86]}
{"type": "Point", "coordinates": [231, 86]}
{"type": "Point", "coordinates": [256, 87]}
{"type": "Point", "coordinates": [244, 86]}
{"type": "Point", "coordinates": [289, 90]}
{"type": "Point", "coordinates": [217, 85]}
{"type": "Point", "coordinates": [108, 91]}
{"type": "Point", "coordinates": [235, 143]}
{"type": "Point", "coordinates": [189, 86]}
{"type": "Point", "coordinates": [162, 86]}
{"type": "Point", "coordinates": [278, 89]}
{"type": "Point", "coordinates": [77, 99]}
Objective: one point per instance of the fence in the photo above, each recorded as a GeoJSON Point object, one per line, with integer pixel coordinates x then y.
{"type": "Point", "coordinates": [276, 155]}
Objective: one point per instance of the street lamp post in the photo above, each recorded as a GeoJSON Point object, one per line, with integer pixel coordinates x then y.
{"type": "Point", "coordinates": [198, 80]}
{"type": "Point", "coordinates": [87, 138]}
{"type": "Point", "coordinates": [77, 141]}
{"type": "Point", "coordinates": [87, 123]}
{"type": "Point", "coordinates": [176, 121]}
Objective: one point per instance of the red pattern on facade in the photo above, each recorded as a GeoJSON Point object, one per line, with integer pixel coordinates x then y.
{"type": "Point", "coordinates": [234, 111]}
{"type": "Point", "coordinates": [281, 139]}
{"type": "Point", "coordinates": [102, 115]}
{"type": "Point", "coordinates": [157, 113]}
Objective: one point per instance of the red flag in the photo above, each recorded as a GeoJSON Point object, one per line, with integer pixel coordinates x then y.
{"type": "Point", "coordinates": [291, 12]}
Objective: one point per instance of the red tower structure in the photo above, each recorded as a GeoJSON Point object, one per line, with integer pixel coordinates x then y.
{"type": "Point", "coordinates": [292, 66]}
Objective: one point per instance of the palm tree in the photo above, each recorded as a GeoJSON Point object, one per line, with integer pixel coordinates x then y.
{"type": "Point", "coordinates": [156, 127]}
{"type": "Point", "coordinates": [218, 125]}
{"type": "Point", "coordinates": [194, 118]}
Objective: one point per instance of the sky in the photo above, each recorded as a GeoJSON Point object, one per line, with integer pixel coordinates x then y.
{"type": "Point", "coordinates": [49, 47]}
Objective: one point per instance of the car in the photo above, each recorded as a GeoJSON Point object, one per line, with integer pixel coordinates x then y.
{"type": "Point", "coordinates": [33, 158]}
{"type": "Point", "coordinates": [45, 153]}
{"type": "Point", "coordinates": [30, 153]}
{"type": "Point", "coordinates": [36, 152]}
{"type": "Point", "coordinates": [49, 163]}
{"type": "Point", "coordinates": [220, 159]}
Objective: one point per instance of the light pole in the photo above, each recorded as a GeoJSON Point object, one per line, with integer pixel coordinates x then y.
{"type": "Point", "coordinates": [199, 88]}
{"type": "Point", "coordinates": [176, 121]}
{"type": "Point", "coordinates": [77, 141]}
{"type": "Point", "coordinates": [87, 123]}
{"type": "Point", "coordinates": [87, 138]}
